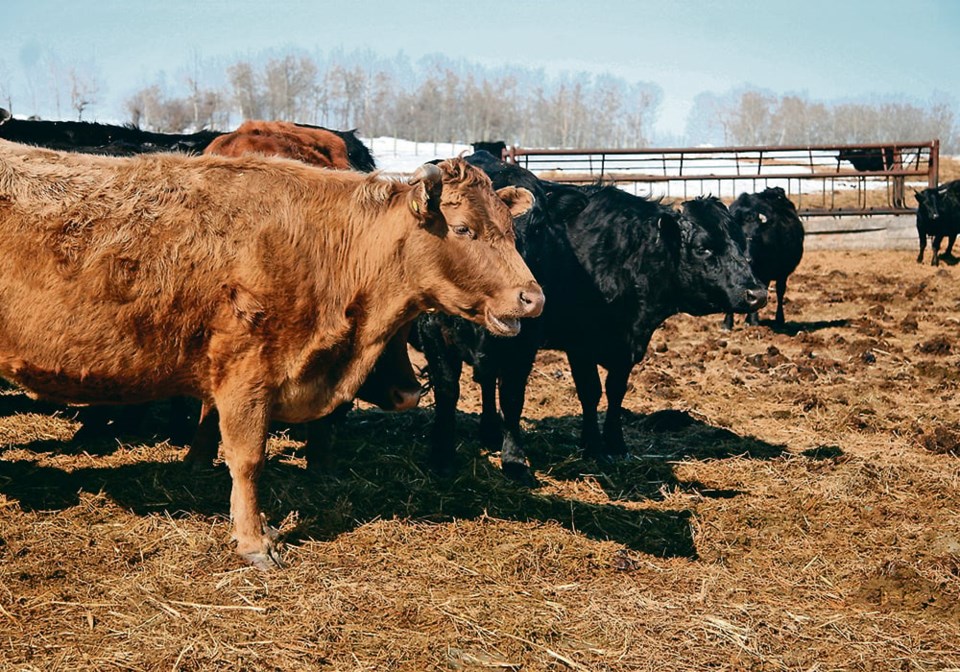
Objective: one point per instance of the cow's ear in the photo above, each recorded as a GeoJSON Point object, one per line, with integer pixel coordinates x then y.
{"type": "Point", "coordinates": [518, 199]}
{"type": "Point", "coordinates": [427, 183]}
{"type": "Point", "coordinates": [668, 226]}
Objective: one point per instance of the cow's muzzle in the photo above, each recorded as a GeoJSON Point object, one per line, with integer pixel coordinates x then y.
{"type": "Point", "coordinates": [755, 299]}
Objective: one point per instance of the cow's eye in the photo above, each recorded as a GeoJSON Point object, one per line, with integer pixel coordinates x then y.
{"type": "Point", "coordinates": [703, 252]}
{"type": "Point", "coordinates": [462, 230]}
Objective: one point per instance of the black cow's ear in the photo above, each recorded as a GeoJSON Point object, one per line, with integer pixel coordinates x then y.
{"type": "Point", "coordinates": [518, 199]}
{"type": "Point", "coordinates": [427, 183]}
{"type": "Point", "coordinates": [669, 227]}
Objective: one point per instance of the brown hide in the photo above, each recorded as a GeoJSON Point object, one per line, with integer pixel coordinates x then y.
{"type": "Point", "coordinates": [393, 384]}
{"type": "Point", "coordinates": [316, 146]}
{"type": "Point", "coordinates": [265, 287]}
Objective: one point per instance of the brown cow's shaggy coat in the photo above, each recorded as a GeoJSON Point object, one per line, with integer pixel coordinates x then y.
{"type": "Point", "coordinates": [264, 287]}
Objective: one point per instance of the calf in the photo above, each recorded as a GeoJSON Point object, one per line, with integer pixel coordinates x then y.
{"type": "Point", "coordinates": [938, 216]}
{"type": "Point", "coordinates": [128, 280]}
{"type": "Point", "coordinates": [773, 236]}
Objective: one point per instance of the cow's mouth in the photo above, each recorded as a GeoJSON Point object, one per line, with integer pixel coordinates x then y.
{"type": "Point", "coordinates": [502, 326]}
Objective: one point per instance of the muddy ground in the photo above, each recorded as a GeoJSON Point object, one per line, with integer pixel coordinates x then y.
{"type": "Point", "coordinates": [792, 502]}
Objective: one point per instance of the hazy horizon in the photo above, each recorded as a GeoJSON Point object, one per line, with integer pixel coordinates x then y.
{"type": "Point", "coordinates": [826, 51]}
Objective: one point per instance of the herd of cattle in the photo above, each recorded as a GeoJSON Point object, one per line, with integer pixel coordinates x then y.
{"type": "Point", "coordinates": [269, 288]}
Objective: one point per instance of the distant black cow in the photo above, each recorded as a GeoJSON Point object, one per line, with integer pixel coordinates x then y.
{"type": "Point", "coordinates": [938, 216]}
{"type": "Point", "coordinates": [93, 138]}
{"type": "Point", "coordinates": [496, 148]}
{"type": "Point", "coordinates": [774, 239]}
{"type": "Point", "coordinates": [868, 159]}
{"type": "Point", "coordinates": [615, 267]}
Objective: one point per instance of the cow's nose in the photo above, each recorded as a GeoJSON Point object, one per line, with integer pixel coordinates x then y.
{"type": "Point", "coordinates": [532, 300]}
{"type": "Point", "coordinates": [405, 398]}
{"type": "Point", "coordinates": [755, 299]}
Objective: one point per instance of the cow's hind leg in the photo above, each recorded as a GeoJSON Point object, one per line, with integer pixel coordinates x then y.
{"type": "Point", "coordinates": [244, 421]}
{"type": "Point", "coordinates": [728, 322]}
{"type": "Point", "coordinates": [781, 285]}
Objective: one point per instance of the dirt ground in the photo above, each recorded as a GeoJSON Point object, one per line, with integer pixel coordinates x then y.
{"type": "Point", "coordinates": [792, 502]}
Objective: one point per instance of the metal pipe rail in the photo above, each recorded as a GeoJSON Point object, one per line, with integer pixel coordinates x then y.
{"type": "Point", "coordinates": [813, 175]}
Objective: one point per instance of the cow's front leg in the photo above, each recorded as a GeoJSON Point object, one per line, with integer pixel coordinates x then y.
{"type": "Point", "coordinates": [587, 381]}
{"type": "Point", "coordinates": [513, 387]}
{"type": "Point", "coordinates": [321, 435]}
{"type": "Point", "coordinates": [244, 421]}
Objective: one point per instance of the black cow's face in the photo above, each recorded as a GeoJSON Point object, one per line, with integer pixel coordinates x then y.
{"type": "Point", "coordinates": [713, 270]}
{"type": "Point", "coordinates": [928, 202]}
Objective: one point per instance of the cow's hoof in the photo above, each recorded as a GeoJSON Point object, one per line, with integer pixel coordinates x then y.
{"type": "Point", "coordinates": [520, 473]}
{"type": "Point", "coordinates": [265, 559]}
{"type": "Point", "coordinates": [264, 554]}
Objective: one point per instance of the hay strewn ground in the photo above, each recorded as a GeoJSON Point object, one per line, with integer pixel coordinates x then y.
{"type": "Point", "coordinates": [792, 503]}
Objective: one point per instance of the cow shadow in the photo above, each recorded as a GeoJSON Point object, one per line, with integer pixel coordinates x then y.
{"type": "Point", "coordinates": [655, 442]}
{"type": "Point", "coordinates": [790, 328]}
{"type": "Point", "coordinates": [382, 475]}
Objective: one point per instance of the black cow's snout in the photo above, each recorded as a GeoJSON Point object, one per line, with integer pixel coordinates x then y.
{"type": "Point", "coordinates": [755, 299]}
{"type": "Point", "coordinates": [532, 300]}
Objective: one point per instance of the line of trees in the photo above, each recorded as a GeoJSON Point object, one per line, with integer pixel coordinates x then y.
{"type": "Point", "coordinates": [442, 100]}
{"type": "Point", "coordinates": [754, 117]}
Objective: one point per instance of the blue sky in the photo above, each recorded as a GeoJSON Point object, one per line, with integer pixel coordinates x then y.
{"type": "Point", "coordinates": [824, 49]}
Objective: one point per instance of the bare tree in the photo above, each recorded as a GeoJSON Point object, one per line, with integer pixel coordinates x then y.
{"type": "Point", "coordinates": [246, 90]}
{"type": "Point", "coordinates": [84, 90]}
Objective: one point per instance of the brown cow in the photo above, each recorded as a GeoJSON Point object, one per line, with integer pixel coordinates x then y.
{"type": "Point", "coordinates": [264, 287]}
{"type": "Point", "coordinates": [316, 146]}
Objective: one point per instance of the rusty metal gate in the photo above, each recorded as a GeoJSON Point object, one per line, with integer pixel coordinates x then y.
{"type": "Point", "coordinates": [825, 180]}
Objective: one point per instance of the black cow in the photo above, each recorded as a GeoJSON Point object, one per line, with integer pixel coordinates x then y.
{"type": "Point", "coordinates": [868, 159]}
{"type": "Point", "coordinates": [774, 241]}
{"type": "Point", "coordinates": [93, 138]}
{"type": "Point", "coordinates": [938, 216]}
{"type": "Point", "coordinates": [496, 148]}
{"type": "Point", "coordinates": [615, 266]}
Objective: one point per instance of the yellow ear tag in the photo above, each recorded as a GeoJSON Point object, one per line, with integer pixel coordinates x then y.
{"type": "Point", "coordinates": [415, 206]}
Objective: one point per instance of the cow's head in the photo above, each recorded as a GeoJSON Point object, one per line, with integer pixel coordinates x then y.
{"type": "Point", "coordinates": [928, 200]}
{"type": "Point", "coordinates": [712, 267]}
{"type": "Point", "coordinates": [464, 256]}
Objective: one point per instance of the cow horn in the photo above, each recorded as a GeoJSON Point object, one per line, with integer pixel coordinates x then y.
{"type": "Point", "coordinates": [428, 173]}
{"type": "Point", "coordinates": [4, 115]}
